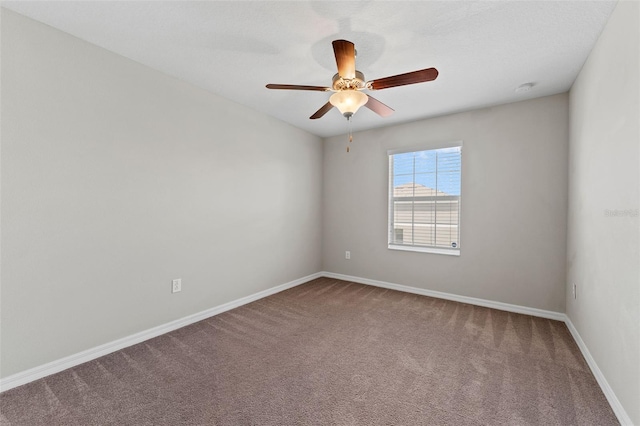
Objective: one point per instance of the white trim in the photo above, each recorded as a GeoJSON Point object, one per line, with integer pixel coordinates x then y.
{"type": "Point", "coordinates": [70, 361]}
{"type": "Point", "coordinates": [614, 402]}
{"type": "Point", "coordinates": [419, 249]}
{"type": "Point", "coordinates": [392, 200]}
{"type": "Point", "coordinates": [558, 316]}
{"type": "Point", "coordinates": [53, 367]}
{"type": "Point", "coordinates": [426, 146]}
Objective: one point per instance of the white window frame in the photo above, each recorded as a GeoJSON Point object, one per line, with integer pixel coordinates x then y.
{"type": "Point", "coordinates": [391, 230]}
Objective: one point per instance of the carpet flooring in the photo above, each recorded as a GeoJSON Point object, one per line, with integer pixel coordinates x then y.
{"type": "Point", "coordinates": [331, 352]}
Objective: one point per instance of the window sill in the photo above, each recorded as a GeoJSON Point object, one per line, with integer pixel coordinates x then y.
{"type": "Point", "coordinates": [425, 250]}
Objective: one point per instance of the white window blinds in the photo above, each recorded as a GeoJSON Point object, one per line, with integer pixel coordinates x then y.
{"type": "Point", "coordinates": [424, 199]}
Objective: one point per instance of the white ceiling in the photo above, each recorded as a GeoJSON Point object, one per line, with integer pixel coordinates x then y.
{"type": "Point", "coordinates": [483, 50]}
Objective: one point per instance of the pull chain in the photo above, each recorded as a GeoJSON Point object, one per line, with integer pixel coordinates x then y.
{"type": "Point", "coordinates": [350, 132]}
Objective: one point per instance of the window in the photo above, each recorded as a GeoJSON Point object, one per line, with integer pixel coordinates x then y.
{"type": "Point", "coordinates": [424, 200]}
{"type": "Point", "coordinates": [399, 237]}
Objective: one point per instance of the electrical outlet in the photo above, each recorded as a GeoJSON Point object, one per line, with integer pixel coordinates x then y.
{"type": "Point", "coordinates": [176, 285]}
{"type": "Point", "coordinates": [575, 293]}
{"type": "Point", "coordinates": [347, 255]}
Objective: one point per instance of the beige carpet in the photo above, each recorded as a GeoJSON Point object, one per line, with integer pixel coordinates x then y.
{"type": "Point", "coordinates": [331, 353]}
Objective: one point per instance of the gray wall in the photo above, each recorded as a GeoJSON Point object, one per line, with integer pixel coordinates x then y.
{"type": "Point", "coordinates": [514, 198]}
{"type": "Point", "coordinates": [603, 251]}
{"type": "Point", "coordinates": [117, 178]}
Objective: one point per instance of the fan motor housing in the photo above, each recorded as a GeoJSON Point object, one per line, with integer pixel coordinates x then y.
{"type": "Point", "coordinates": [340, 83]}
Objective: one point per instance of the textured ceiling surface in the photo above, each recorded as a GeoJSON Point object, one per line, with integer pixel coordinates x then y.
{"type": "Point", "coordinates": [483, 50]}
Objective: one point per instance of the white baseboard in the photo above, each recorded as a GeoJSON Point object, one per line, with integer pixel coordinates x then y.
{"type": "Point", "coordinates": [616, 406]}
{"type": "Point", "coordinates": [613, 400]}
{"type": "Point", "coordinates": [53, 367]}
{"type": "Point", "coordinates": [559, 316]}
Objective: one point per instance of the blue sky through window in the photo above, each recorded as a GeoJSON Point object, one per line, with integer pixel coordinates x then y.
{"type": "Point", "coordinates": [448, 161]}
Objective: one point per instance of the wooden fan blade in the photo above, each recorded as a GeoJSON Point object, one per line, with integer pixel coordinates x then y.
{"type": "Point", "coordinates": [378, 107]}
{"type": "Point", "coordinates": [345, 52]}
{"type": "Point", "coordinates": [421, 76]}
{"type": "Point", "coordinates": [297, 87]}
{"type": "Point", "coordinates": [322, 111]}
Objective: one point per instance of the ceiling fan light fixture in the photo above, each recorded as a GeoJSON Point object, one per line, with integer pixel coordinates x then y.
{"type": "Point", "coordinates": [348, 101]}
{"type": "Point", "coordinates": [348, 82]}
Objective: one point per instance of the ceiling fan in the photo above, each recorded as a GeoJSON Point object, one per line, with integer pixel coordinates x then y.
{"type": "Point", "coordinates": [348, 84]}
